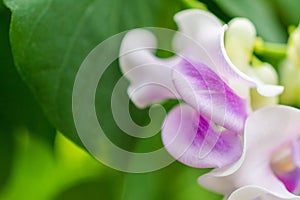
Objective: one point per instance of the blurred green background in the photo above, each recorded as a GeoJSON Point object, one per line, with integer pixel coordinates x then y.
{"type": "Point", "coordinates": [42, 44]}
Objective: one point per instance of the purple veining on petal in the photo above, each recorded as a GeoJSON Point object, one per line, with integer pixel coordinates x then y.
{"type": "Point", "coordinates": [185, 133]}
{"type": "Point", "coordinates": [207, 45]}
{"type": "Point", "coordinates": [203, 89]}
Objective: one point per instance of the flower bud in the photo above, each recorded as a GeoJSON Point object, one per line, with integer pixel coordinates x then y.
{"type": "Point", "coordinates": [267, 74]}
{"type": "Point", "coordinates": [239, 42]}
{"type": "Point", "coordinates": [290, 79]}
{"type": "Point", "coordinates": [293, 51]}
{"type": "Point", "coordinates": [290, 71]}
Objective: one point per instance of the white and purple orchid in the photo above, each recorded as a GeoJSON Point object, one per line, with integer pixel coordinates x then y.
{"type": "Point", "coordinates": [206, 130]}
{"type": "Point", "coordinates": [269, 167]}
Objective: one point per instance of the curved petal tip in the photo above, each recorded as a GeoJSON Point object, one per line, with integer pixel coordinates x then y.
{"type": "Point", "coordinates": [270, 90]}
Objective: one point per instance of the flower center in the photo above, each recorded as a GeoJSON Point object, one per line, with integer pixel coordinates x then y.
{"type": "Point", "coordinates": [285, 167]}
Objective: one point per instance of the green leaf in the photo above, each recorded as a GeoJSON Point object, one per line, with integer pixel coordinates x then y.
{"type": "Point", "coordinates": [17, 104]}
{"type": "Point", "coordinates": [2, 7]}
{"type": "Point", "coordinates": [6, 157]}
{"type": "Point", "coordinates": [261, 13]}
{"type": "Point", "coordinates": [18, 108]}
{"type": "Point", "coordinates": [176, 182]}
{"type": "Point", "coordinates": [38, 173]}
{"type": "Point", "coordinates": [187, 184]}
{"type": "Point", "coordinates": [50, 39]}
{"type": "Point", "coordinates": [103, 188]}
{"type": "Point", "coordinates": [289, 11]}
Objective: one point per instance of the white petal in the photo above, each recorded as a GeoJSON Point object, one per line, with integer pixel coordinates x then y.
{"type": "Point", "coordinates": [269, 90]}
{"type": "Point", "coordinates": [199, 36]}
{"type": "Point", "coordinates": [201, 39]}
{"type": "Point", "coordinates": [149, 76]}
{"type": "Point", "coordinates": [266, 131]}
{"type": "Point", "coordinates": [255, 192]}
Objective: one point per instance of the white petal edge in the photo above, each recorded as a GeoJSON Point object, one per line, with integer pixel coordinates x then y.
{"type": "Point", "coordinates": [252, 192]}
{"type": "Point", "coordinates": [149, 76]}
{"type": "Point", "coordinates": [198, 27]}
{"type": "Point", "coordinates": [262, 89]}
{"type": "Point", "coordinates": [269, 90]}
{"type": "Point", "coordinates": [198, 36]}
{"type": "Point", "coordinates": [203, 27]}
{"type": "Point", "coordinates": [273, 120]}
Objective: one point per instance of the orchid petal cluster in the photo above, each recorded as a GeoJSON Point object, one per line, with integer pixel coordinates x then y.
{"type": "Point", "coordinates": [269, 166]}
{"type": "Point", "coordinates": [222, 121]}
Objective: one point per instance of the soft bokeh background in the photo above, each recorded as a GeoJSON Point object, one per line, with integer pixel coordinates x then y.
{"type": "Point", "coordinates": [41, 157]}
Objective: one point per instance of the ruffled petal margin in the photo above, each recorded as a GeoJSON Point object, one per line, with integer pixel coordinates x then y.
{"type": "Point", "coordinates": [186, 134]}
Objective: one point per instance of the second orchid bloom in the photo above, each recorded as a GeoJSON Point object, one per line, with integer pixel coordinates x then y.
{"type": "Point", "coordinates": [213, 75]}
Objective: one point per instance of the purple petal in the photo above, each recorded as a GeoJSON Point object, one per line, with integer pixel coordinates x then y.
{"type": "Point", "coordinates": [204, 90]}
{"type": "Point", "coordinates": [291, 180]}
{"type": "Point", "coordinates": [185, 134]}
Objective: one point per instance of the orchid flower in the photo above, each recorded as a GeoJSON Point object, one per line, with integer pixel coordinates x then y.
{"type": "Point", "coordinates": [270, 165]}
{"type": "Point", "coordinates": [201, 39]}
{"type": "Point", "coordinates": [206, 130]}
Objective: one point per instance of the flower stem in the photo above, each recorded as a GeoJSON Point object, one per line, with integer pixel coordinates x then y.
{"type": "Point", "coordinates": [277, 50]}
{"type": "Point", "coordinates": [194, 4]}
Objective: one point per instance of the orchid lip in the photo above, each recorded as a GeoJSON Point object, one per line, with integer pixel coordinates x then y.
{"type": "Point", "coordinates": [285, 166]}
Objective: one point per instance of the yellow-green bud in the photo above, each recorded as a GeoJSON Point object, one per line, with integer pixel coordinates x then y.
{"type": "Point", "coordinates": [290, 79]}
{"type": "Point", "coordinates": [293, 51]}
{"type": "Point", "coordinates": [267, 74]}
{"type": "Point", "coordinates": [239, 42]}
